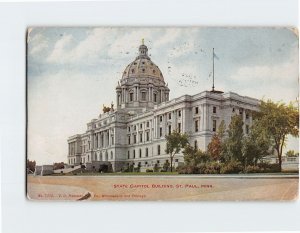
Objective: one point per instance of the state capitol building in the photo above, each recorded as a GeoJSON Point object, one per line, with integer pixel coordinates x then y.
{"type": "Point", "coordinates": [133, 131]}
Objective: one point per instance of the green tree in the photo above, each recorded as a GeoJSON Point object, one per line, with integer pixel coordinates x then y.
{"type": "Point", "coordinates": [194, 157]}
{"type": "Point", "coordinates": [279, 120]}
{"type": "Point", "coordinates": [292, 153]}
{"type": "Point", "coordinates": [222, 130]}
{"type": "Point", "coordinates": [256, 144]}
{"type": "Point", "coordinates": [175, 142]}
{"type": "Point", "coordinates": [232, 149]}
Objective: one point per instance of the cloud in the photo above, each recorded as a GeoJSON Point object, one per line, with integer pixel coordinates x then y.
{"type": "Point", "coordinates": [60, 54]}
{"type": "Point", "coordinates": [40, 43]}
{"type": "Point", "coordinates": [278, 82]}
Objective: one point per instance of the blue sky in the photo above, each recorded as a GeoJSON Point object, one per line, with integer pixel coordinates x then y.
{"type": "Point", "coordinates": [72, 72]}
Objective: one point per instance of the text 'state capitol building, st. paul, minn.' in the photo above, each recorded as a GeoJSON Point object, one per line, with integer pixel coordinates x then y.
{"type": "Point", "coordinates": [133, 131]}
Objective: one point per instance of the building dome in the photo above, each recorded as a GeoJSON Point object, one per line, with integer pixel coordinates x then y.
{"type": "Point", "coordinates": [142, 67]}
{"type": "Point", "coordinates": [142, 84]}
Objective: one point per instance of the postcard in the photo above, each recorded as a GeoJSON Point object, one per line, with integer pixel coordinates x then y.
{"type": "Point", "coordinates": [162, 113]}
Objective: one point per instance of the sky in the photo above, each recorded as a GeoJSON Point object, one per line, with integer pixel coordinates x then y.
{"type": "Point", "coordinates": [72, 72]}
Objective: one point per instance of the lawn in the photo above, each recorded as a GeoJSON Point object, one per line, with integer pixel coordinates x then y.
{"type": "Point", "coordinates": [121, 174]}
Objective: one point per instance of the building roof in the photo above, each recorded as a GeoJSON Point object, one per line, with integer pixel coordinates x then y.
{"type": "Point", "coordinates": [142, 66]}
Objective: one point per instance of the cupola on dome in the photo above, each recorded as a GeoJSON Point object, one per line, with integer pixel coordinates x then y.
{"type": "Point", "coordinates": [142, 66]}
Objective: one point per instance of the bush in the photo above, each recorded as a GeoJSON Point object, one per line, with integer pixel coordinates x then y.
{"type": "Point", "coordinates": [232, 167]}
{"type": "Point", "coordinates": [268, 168]}
{"type": "Point", "coordinates": [209, 168]}
{"type": "Point", "coordinates": [149, 170]}
{"type": "Point", "coordinates": [253, 169]}
{"type": "Point", "coordinates": [188, 169]}
{"type": "Point", "coordinates": [156, 168]}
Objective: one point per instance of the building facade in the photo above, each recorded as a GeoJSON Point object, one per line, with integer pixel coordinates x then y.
{"type": "Point", "coordinates": [134, 131]}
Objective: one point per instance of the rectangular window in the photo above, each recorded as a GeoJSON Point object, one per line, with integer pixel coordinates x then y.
{"type": "Point", "coordinates": [141, 137]}
{"type": "Point", "coordinates": [128, 154]}
{"type": "Point", "coordinates": [160, 118]}
{"type": "Point", "coordinates": [214, 109]}
{"type": "Point", "coordinates": [170, 116]}
{"type": "Point", "coordinates": [160, 132]}
{"type": "Point", "coordinates": [148, 124]}
{"type": "Point", "coordinates": [247, 116]}
{"type": "Point", "coordinates": [144, 96]}
{"type": "Point", "coordinates": [146, 153]}
{"type": "Point", "coordinates": [134, 138]}
{"type": "Point", "coordinates": [155, 98]}
{"type": "Point", "coordinates": [129, 129]}
{"type": "Point", "coordinates": [214, 125]}
{"type": "Point", "coordinates": [179, 113]}
{"type": "Point", "coordinates": [134, 154]}
{"type": "Point", "coordinates": [196, 126]}
{"type": "Point", "coordinates": [112, 140]}
{"type": "Point", "coordinates": [158, 150]}
{"type": "Point", "coordinates": [141, 126]}
{"type": "Point", "coordinates": [128, 140]}
{"type": "Point", "coordinates": [147, 136]}
{"type": "Point", "coordinates": [130, 97]}
{"type": "Point", "coordinates": [140, 153]}
{"type": "Point", "coordinates": [179, 127]}
{"type": "Point", "coordinates": [170, 129]}
{"type": "Point", "coordinates": [196, 110]}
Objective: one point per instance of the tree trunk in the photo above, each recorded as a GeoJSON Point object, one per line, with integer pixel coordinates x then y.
{"type": "Point", "coordinates": [279, 157]}
{"type": "Point", "coordinates": [171, 163]}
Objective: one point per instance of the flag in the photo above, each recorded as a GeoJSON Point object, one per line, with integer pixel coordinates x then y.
{"type": "Point", "coordinates": [215, 56]}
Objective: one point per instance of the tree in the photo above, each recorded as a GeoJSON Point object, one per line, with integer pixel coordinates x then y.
{"type": "Point", "coordinates": [30, 166]}
{"type": "Point", "coordinates": [214, 148]}
{"type": "Point", "coordinates": [279, 120]}
{"type": "Point", "coordinates": [60, 165]}
{"type": "Point", "coordinates": [175, 142]}
{"type": "Point", "coordinates": [292, 153]}
{"type": "Point", "coordinates": [193, 156]}
{"type": "Point", "coordinates": [233, 144]}
{"type": "Point", "coordinates": [256, 145]}
{"type": "Point", "coordinates": [166, 166]}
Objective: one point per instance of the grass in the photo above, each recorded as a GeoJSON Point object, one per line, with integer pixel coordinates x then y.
{"type": "Point", "coordinates": [120, 174]}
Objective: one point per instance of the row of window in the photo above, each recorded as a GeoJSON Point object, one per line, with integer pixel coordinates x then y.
{"type": "Point", "coordinates": [147, 139]}
{"type": "Point", "coordinates": [139, 125]}
{"type": "Point", "coordinates": [152, 162]}
{"type": "Point", "coordinates": [140, 154]}
{"type": "Point", "coordinates": [197, 110]}
{"type": "Point", "coordinates": [170, 115]}
{"type": "Point", "coordinates": [144, 96]}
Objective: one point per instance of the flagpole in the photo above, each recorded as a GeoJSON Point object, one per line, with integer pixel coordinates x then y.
{"type": "Point", "coordinates": [213, 86]}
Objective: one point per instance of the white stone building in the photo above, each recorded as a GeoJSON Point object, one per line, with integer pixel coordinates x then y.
{"type": "Point", "coordinates": [134, 131]}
